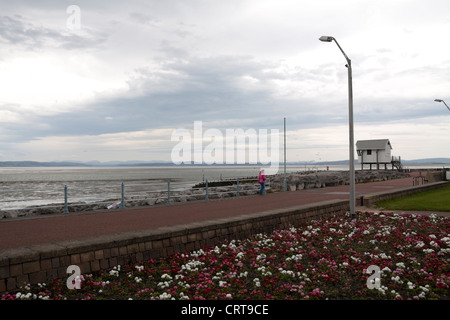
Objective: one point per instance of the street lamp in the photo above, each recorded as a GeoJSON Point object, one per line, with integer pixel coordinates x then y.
{"type": "Point", "coordinates": [439, 100]}
{"type": "Point", "coordinates": [350, 117]}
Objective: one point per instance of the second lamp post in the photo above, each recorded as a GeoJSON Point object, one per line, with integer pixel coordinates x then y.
{"type": "Point", "coordinates": [350, 117]}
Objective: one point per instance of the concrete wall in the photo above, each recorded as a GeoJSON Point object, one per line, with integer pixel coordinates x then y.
{"type": "Point", "coordinates": [46, 262]}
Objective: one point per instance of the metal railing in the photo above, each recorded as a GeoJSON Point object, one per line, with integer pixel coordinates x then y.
{"type": "Point", "coordinates": [126, 195]}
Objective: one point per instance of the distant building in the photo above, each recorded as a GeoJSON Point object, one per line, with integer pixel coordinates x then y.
{"type": "Point", "coordinates": [376, 152]}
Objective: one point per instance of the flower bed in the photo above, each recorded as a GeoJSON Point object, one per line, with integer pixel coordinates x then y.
{"type": "Point", "coordinates": [326, 259]}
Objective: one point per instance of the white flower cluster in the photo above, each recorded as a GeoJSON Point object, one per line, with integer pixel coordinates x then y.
{"type": "Point", "coordinates": [424, 291]}
{"type": "Point", "coordinates": [218, 276]}
{"type": "Point", "coordinates": [420, 244]}
{"type": "Point", "coordinates": [265, 243]}
{"type": "Point", "coordinates": [30, 295]}
{"type": "Point", "coordinates": [25, 296]}
{"type": "Point", "coordinates": [115, 271]}
{"type": "Point", "coordinates": [192, 265]}
{"type": "Point", "coordinates": [231, 245]}
{"type": "Point", "coordinates": [287, 272]}
{"type": "Point", "coordinates": [261, 256]}
{"type": "Point", "coordinates": [303, 276]}
{"type": "Point", "coordinates": [165, 284]}
{"type": "Point", "coordinates": [166, 296]}
{"type": "Point", "coordinates": [139, 268]}
{"type": "Point", "coordinates": [295, 257]}
{"type": "Point", "coordinates": [238, 256]}
{"type": "Point", "coordinates": [183, 296]}
{"type": "Point", "coordinates": [446, 240]}
{"type": "Point", "coordinates": [198, 253]}
{"type": "Point", "coordinates": [382, 289]}
{"type": "Point", "coordinates": [312, 232]}
{"type": "Point", "coordinates": [397, 279]}
{"type": "Point", "coordinates": [264, 272]}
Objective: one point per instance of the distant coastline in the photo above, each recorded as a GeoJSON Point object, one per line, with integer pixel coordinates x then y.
{"type": "Point", "coordinates": [22, 164]}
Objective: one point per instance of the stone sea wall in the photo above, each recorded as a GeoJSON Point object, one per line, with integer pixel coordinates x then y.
{"type": "Point", "coordinates": [321, 179]}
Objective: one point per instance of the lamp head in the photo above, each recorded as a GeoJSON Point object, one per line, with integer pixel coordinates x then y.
{"type": "Point", "coordinates": [438, 100]}
{"type": "Point", "coordinates": [326, 38]}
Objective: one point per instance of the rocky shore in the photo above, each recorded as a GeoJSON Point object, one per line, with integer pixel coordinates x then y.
{"type": "Point", "coordinates": [321, 179]}
{"type": "Point", "coordinates": [218, 190]}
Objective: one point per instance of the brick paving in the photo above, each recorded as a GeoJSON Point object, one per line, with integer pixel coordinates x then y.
{"type": "Point", "coordinates": [22, 232]}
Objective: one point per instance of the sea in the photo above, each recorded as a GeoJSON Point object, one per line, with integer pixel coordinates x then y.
{"type": "Point", "coordinates": [27, 187]}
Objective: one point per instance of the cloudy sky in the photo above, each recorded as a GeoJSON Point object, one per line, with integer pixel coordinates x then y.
{"type": "Point", "coordinates": [114, 79]}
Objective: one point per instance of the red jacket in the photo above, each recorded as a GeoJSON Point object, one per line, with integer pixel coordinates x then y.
{"type": "Point", "coordinates": [262, 177]}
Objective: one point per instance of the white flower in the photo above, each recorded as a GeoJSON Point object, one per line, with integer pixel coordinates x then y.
{"type": "Point", "coordinates": [386, 269]}
{"type": "Point", "coordinates": [166, 276]}
{"type": "Point", "coordinates": [396, 279]}
{"type": "Point", "coordinates": [183, 297]}
{"type": "Point", "coordinates": [165, 296]}
{"type": "Point", "coordinates": [420, 244]}
{"type": "Point", "coordinates": [139, 268]}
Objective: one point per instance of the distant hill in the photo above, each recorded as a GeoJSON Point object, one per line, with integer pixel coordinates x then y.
{"type": "Point", "coordinates": [428, 161]}
{"type": "Point", "coordinates": [41, 164]}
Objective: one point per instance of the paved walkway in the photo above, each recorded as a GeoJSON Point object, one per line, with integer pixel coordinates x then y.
{"type": "Point", "coordinates": [22, 232]}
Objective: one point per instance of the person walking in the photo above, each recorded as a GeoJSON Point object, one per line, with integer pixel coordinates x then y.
{"type": "Point", "coordinates": [262, 181]}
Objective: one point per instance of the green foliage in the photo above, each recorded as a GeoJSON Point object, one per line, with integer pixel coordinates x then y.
{"type": "Point", "coordinates": [432, 200]}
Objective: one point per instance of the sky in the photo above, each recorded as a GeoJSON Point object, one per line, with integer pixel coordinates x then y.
{"type": "Point", "coordinates": [114, 80]}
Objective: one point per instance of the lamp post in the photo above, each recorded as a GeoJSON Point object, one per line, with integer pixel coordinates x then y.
{"type": "Point", "coordinates": [439, 100]}
{"type": "Point", "coordinates": [284, 180]}
{"type": "Point", "coordinates": [350, 117]}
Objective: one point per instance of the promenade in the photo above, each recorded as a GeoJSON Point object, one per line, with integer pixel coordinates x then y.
{"type": "Point", "coordinates": [37, 230]}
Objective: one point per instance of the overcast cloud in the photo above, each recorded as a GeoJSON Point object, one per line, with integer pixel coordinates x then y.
{"type": "Point", "coordinates": [135, 71]}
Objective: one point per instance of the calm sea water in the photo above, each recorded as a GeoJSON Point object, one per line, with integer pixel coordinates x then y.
{"type": "Point", "coordinates": [32, 186]}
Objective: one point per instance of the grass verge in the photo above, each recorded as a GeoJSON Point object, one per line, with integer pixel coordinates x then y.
{"type": "Point", "coordinates": [432, 200]}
